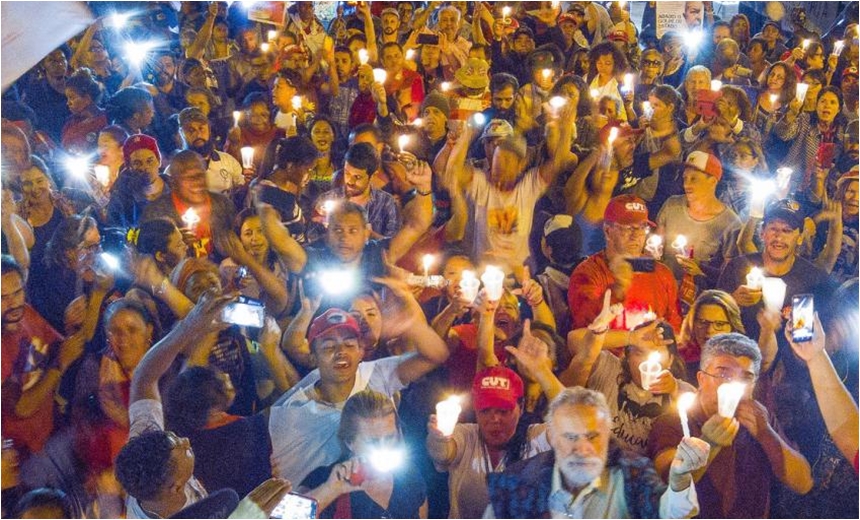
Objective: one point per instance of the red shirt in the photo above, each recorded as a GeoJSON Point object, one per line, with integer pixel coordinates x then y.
{"type": "Point", "coordinates": [25, 357]}
{"type": "Point", "coordinates": [462, 365]}
{"type": "Point", "coordinates": [655, 291]}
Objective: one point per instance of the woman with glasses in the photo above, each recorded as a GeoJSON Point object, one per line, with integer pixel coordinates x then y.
{"type": "Point", "coordinates": [716, 312]}
{"type": "Point", "coordinates": [650, 75]}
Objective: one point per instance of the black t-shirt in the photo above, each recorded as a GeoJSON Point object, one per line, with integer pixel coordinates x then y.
{"type": "Point", "coordinates": [407, 496]}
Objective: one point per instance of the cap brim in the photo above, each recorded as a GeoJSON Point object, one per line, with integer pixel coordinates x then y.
{"type": "Point", "coordinates": [333, 328]}
{"type": "Point", "coordinates": [793, 219]}
{"type": "Point", "coordinates": [492, 401]}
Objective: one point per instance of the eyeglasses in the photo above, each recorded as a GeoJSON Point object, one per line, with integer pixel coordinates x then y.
{"type": "Point", "coordinates": [725, 375]}
{"type": "Point", "coordinates": [652, 63]}
{"type": "Point", "coordinates": [718, 325]}
{"type": "Point", "coordinates": [629, 230]}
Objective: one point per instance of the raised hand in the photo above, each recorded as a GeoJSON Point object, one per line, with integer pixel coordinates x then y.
{"type": "Point", "coordinates": [530, 289]}
{"type": "Point", "coordinates": [531, 353]}
{"type": "Point", "coordinates": [263, 499]}
{"type": "Point", "coordinates": [807, 350]}
{"type": "Point", "coordinates": [607, 314]}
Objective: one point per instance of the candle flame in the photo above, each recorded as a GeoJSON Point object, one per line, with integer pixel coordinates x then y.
{"type": "Point", "coordinates": [680, 242]}
{"type": "Point", "coordinates": [402, 141]}
{"type": "Point", "coordinates": [264, 47]}
{"type": "Point", "coordinates": [363, 56]}
{"type": "Point", "coordinates": [427, 261]}
{"type": "Point", "coordinates": [297, 102]}
{"type": "Point", "coordinates": [654, 357]}
{"type": "Point", "coordinates": [685, 401]}
{"type": "Point", "coordinates": [190, 217]}
{"type": "Point", "coordinates": [716, 85]}
{"type": "Point", "coordinates": [613, 134]}
{"type": "Point", "coordinates": [379, 75]}
{"type": "Point", "coordinates": [445, 86]}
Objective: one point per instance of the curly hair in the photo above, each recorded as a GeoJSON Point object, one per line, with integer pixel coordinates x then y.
{"type": "Point", "coordinates": [126, 103]}
{"type": "Point", "coordinates": [732, 344]}
{"type": "Point", "coordinates": [143, 465]}
{"type": "Point", "coordinates": [194, 393]}
{"type": "Point", "coordinates": [84, 84]}
{"type": "Point", "coordinates": [789, 86]}
{"type": "Point", "coordinates": [605, 49]}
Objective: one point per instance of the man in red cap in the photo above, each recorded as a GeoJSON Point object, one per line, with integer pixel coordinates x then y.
{"type": "Point", "coordinates": [139, 184]}
{"type": "Point", "coordinates": [303, 424]}
{"type": "Point", "coordinates": [646, 288]}
{"type": "Point", "coordinates": [710, 228]}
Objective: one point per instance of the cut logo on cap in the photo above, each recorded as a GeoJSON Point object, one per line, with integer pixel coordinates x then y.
{"type": "Point", "coordinates": [635, 206]}
{"type": "Point", "coordinates": [495, 383]}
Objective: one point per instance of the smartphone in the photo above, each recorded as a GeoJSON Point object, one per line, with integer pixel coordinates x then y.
{"type": "Point", "coordinates": [245, 312]}
{"type": "Point", "coordinates": [294, 505]}
{"type": "Point", "coordinates": [642, 264]}
{"type": "Point", "coordinates": [802, 317]}
{"type": "Point", "coordinates": [825, 154]}
{"type": "Point", "coordinates": [706, 103]}
{"type": "Point", "coordinates": [428, 39]}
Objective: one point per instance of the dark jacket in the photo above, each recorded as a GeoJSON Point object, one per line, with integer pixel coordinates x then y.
{"type": "Point", "coordinates": [523, 489]}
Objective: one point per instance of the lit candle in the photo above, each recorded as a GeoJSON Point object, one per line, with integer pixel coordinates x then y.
{"type": "Point", "coordinates": [773, 293]}
{"type": "Point", "coordinates": [297, 102]}
{"type": "Point", "coordinates": [363, 56]}
{"type": "Point", "coordinates": [728, 397]}
{"type": "Point", "coordinates": [783, 177]}
{"type": "Point", "coordinates": [805, 44]}
{"type": "Point", "coordinates": [621, 4]}
{"type": "Point", "coordinates": [417, 122]}
{"type": "Point", "coordinates": [327, 208]}
{"type": "Point", "coordinates": [837, 47]}
{"type": "Point", "coordinates": [447, 414]}
{"type": "Point", "coordinates": [647, 110]}
{"type": "Point", "coordinates": [469, 286]}
{"type": "Point", "coordinates": [402, 141]}
{"type": "Point", "coordinates": [264, 47]}
{"type": "Point", "coordinates": [493, 279]}
{"type": "Point", "coordinates": [102, 173]}
{"type": "Point", "coordinates": [273, 34]}
{"type": "Point", "coordinates": [628, 82]}
{"type": "Point", "coordinates": [247, 156]}
{"type": "Point", "coordinates": [680, 245]}
{"type": "Point", "coordinates": [190, 218]}
{"type": "Point", "coordinates": [546, 74]}
{"type": "Point", "coordinates": [426, 262]}
{"type": "Point", "coordinates": [555, 4]}
{"type": "Point", "coordinates": [685, 401]}
{"type": "Point", "coordinates": [506, 15]}
{"type": "Point", "coordinates": [479, 119]}
{"type": "Point", "coordinates": [445, 86]}
{"type": "Point", "coordinates": [410, 54]}
{"type": "Point", "coordinates": [654, 245]}
{"type": "Point", "coordinates": [650, 369]}
{"type": "Point", "coordinates": [594, 93]}
{"type": "Point", "coordinates": [755, 278]}
{"type": "Point", "coordinates": [716, 85]}
{"type": "Point", "coordinates": [237, 115]}
{"type": "Point", "coordinates": [613, 135]}
{"type": "Point", "coordinates": [773, 99]}
{"type": "Point", "coordinates": [800, 93]}
{"type": "Point", "coordinates": [379, 75]}
{"type": "Point", "coordinates": [557, 102]}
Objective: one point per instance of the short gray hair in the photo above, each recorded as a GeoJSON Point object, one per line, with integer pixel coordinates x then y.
{"type": "Point", "coordinates": [577, 396]}
{"type": "Point", "coordinates": [452, 8]}
{"type": "Point", "coordinates": [698, 69]}
{"type": "Point", "coordinates": [731, 344]}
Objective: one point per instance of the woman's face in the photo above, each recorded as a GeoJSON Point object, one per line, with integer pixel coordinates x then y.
{"type": "Point", "coordinates": [254, 239]}
{"type": "Point", "coordinates": [259, 118]}
{"type": "Point", "coordinates": [673, 49]}
{"type": "Point", "coordinates": [200, 282]}
{"type": "Point", "coordinates": [110, 151]}
{"type": "Point", "coordinates": [129, 336]}
{"type": "Point", "coordinates": [740, 29]}
{"type": "Point", "coordinates": [661, 109]}
{"type": "Point", "coordinates": [143, 118]}
{"type": "Point", "coordinates": [727, 107]}
{"type": "Point", "coordinates": [35, 185]}
{"type": "Point", "coordinates": [743, 159]}
{"type": "Point", "coordinates": [322, 136]}
{"type": "Point", "coordinates": [97, 52]}
{"type": "Point", "coordinates": [636, 356]}
{"type": "Point", "coordinates": [709, 321]}
{"type": "Point", "coordinates": [219, 32]}
{"type": "Point", "coordinates": [776, 79]}
{"type": "Point", "coordinates": [77, 103]}
{"type": "Point", "coordinates": [827, 107]}
{"type": "Point", "coordinates": [815, 58]}
{"type": "Point", "coordinates": [605, 65]}
{"type": "Point", "coordinates": [584, 61]}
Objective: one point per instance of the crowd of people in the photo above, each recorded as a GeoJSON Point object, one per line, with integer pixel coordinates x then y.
{"type": "Point", "coordinates": [432, 259]}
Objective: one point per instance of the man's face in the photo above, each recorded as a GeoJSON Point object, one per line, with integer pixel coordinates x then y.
{"type": "Point", "coordinates": [448, 24]}
{"type": "Point", "coordinates": [200, 283]}
{"type": "Point", "coordinates": [337, 354]}
{"type": "Point", "coordinates": [13, 300]}
{"type": "Point", "coordinates": [503, 99]}
{"type": "Point", "coordinates": [366, 312]}
{"type": "Point", "coordinates": [55, 64]}
{"type": "Point", "coordinates": [780, 240]}
{"type": "Point", "coordinates": [196, 134]}
{"type": "Point", "coordinates": [392, 59]}
{"type": "Point", "coordinates": [721, 32]}
{"type": "Point", "coordinates": [145, 163]}
{"type": "Point", "coordinates": [356, 181]}
{"type": "Point", "coordinates": [722, 369]}
{"type": "Point", "coordinates": [568, 28]}
{"type": "Point", "coordinates": [453, 272]}
{"type": "Point", "coordinates": [346, 236]}
{"type": "Point", "coordinates": [497, 425]}
{"type": "Point", "coordinates": [343, 64]}
{"type": "Point", "coordinates": [175, 252]}
{"type": "Point", "coordinates": [755, 53]}
{"type": "Point", "coordinates": [652, 65]}
{"type": "Point", "coordinates": [434, 120]}
{"type": "Point", "coordinates": [849, 87]}
{"type": "Point", "coordinates": [390, 24]}
{"type": "Point", "coordinates": [695, 82]}
{"type": "Point", "coordinates": [626, 239]}
{"type": "Point", "coordinates": [190, 183]}
{"type": "Point", "coordinates": [579, 436]}
{"type": "Point", "coordinates": [430, 56]}
{"type": "Point", "coordinates": [365, 78]}
{"type": "Point", "coordinates": [693, 14]}
{"type": "Point", "coordinates": [405, 9]}
{"type": "Point", "coordinates": [249, 42]}
{"type": "Point", "coordinates": [165, 70]}
{"type": "Point", "coordinates": [523, 44]}
{"type": "Point", "coordinates": [624, 149]}
{"type": "Point", "coordinates": [306, 11]}
{"type": "Point", "coordinates": [181, 459]}
{"type": "Point", "coordinates": [699, 186]}
{"type": "Point", "coordinates": [375, 433]}
{"type": "Point", "coordinates": [770, 34]}
{"type": "Point", "coordinates": [850, 200]}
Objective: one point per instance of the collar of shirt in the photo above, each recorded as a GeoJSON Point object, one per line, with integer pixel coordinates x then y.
{"type": "Point", "coordinates": [564, 502]}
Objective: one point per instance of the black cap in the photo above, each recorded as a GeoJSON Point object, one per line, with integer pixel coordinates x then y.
{"type": "Point", "coordinates": [522, 29]}
{"type": "Point", "coordinates": [787, 210]}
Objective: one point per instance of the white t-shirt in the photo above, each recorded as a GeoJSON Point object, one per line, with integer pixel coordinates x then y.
{"type": "Point", "coordinates": [144, 416]}
{"type": "Point", "coordinates": [502, 220]}
{"type": "Point", "coordinates": [467, 473]}
{"type": "Point", "coordinates": [304, 431]}
{"type": "Point", "coordinates": [224, 172]}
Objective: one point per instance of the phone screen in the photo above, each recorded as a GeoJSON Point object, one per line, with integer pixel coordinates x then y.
{"type": "Point", "coordinates": [802, 317]}
{"type": "Point", "coordinates": [296, 506]}
{"type": "Point", "coordinates": [246, 313]}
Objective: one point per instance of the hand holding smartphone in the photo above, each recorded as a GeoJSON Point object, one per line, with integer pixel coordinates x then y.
{"type": "Point", "coordinates": [802, 318]}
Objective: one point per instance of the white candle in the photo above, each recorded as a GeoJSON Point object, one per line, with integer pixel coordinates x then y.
{"type": "Point", "coordinates": [546, 73]}
{"type": "Point", "coordinates": [800, 93]}
{"type": "Point", "coordinates": [273, 34]}
{"type": "Point", "coordinates": [680, 245]}
{"type": "Point", "coordinates": [773, 99]}
{"type": "Point", "coordinates": [402, 141]}
{"type": "Point", "coordinates": [296, 102]}
{"type": "Point", "coordinates": [493, 279]}
{"type": "Point", "coordinates": [426, 262]}
{"type": "Point", "coordinates": [379, 75]}
{"type": "Point", "coordinates": [506, 15]}
{"type": "Point", "coordinates": [647, 109]}
{"type": "Point", "coordinates": [237, 115]}
{"type": "Point", "coordinates": [447, 414]}
{"type": "Point", "coordinates": [773, 293]}
{"type": "Point", "coordinates": [557, 102]}
{"type": "Point", "coordinates": [685, 401]}
{"type": "Point", "coordinates": [613, 135]}
{"type": "Point", "coordinates": [594, 93]}
{"type": "Point", "coordinates": [363, 56]}
{"type": "Point", "coordinates": [654, 245]}
{"type": "Point", "coordinates": [102, 173]}
{"type": "Point", "coordinates": [264, 47]}
{"type": "Point", "coordinates": [728, 397]}
{"type": "Point", "coordinates": [410, 54]}
{"type": "Point", "coordinates": [755, 278]}
{"type": "Point", "coordinates": [247, 156]}
{"type": "Point", "coordinates": [805, 44]}
{"type": "Point", "coordinates": [650, 369]}
{"type": "Point", "coordinates": [837, 47]}
{"type": "Point", "coordinates": [716, 85]}
{"type": "Point", "coordinates": [190, 218]}
{"type": "Point", "coordinates": [628, 82]}
{"type": "Point", "coordinates": [445, 86]}
{"type": "Point", "coordinates": [469, 286]}
{"type": "Point", "coordinates": [783, 177]}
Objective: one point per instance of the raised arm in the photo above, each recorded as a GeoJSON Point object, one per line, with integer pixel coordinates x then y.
{"type": "Point", "coordinates": [417, 214]}
{"type": "Point", "coordinates": [560, 156]}
{"type": "Point", "coordinates": [486, 332]}
{"type": "Point", "coordinates": [576, 188]}
{"type": "Point", "coordinates": [294, 341]}
{"type": "Point", "coordinates": [204, 35]}
{"type": "Point", "coordinates": [83, 47]}
{"type": "Point", "coordinates": [283, 244]}
{"type": "Point", "coordinates": [274, 291]}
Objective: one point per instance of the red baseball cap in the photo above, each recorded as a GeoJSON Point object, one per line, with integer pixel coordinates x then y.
{"type": "Point", "coordinates": [496, 387]}
{"type": "Point", "coordinates": [330, 320]}
{"type": "Point", "coordinates": [705, 163]}
{"type": "Point", "coordinates": [627, 210]}
{"type": "Point", "coordinates": [139, 142]}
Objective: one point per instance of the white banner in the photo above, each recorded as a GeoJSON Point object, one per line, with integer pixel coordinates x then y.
{"type": "Point", "coordinates": [670, 17]}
